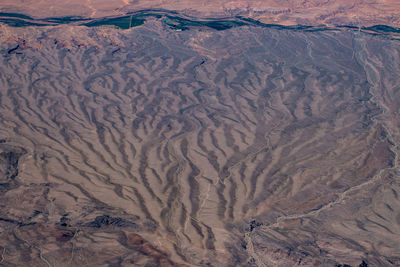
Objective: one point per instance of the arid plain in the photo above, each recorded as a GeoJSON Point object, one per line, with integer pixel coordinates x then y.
{"type": "Point", "coordinates": [251, 146]}
{"type": "Point", "coordinates": [283, 12]}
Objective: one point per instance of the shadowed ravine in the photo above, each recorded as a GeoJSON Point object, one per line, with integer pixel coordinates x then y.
{"type": "Point", "coordinates": [245, 147]}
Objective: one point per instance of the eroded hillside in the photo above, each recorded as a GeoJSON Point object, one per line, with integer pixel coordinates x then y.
{"type": "Point", "coordinates": [244, 147]}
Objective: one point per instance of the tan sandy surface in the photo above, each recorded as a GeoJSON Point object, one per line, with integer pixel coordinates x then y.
{"type": "Point", "coordinates": [286, 12]}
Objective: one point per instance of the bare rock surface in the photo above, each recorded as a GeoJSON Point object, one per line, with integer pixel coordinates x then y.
{"type": "Point", "coordinates": [153, 147]}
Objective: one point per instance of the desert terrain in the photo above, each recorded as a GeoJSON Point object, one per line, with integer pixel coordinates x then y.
{"type": "Point", "coordinates": [283, 12]}
{"type": "Point", "coordinates": [202, 141]}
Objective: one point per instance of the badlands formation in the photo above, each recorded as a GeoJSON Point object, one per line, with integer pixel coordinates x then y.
{"type": "Point", "coordinates": [216, 143]}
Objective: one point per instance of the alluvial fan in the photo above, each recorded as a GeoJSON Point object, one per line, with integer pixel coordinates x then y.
{"type": "Point", "coordinates": [244, 147]}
